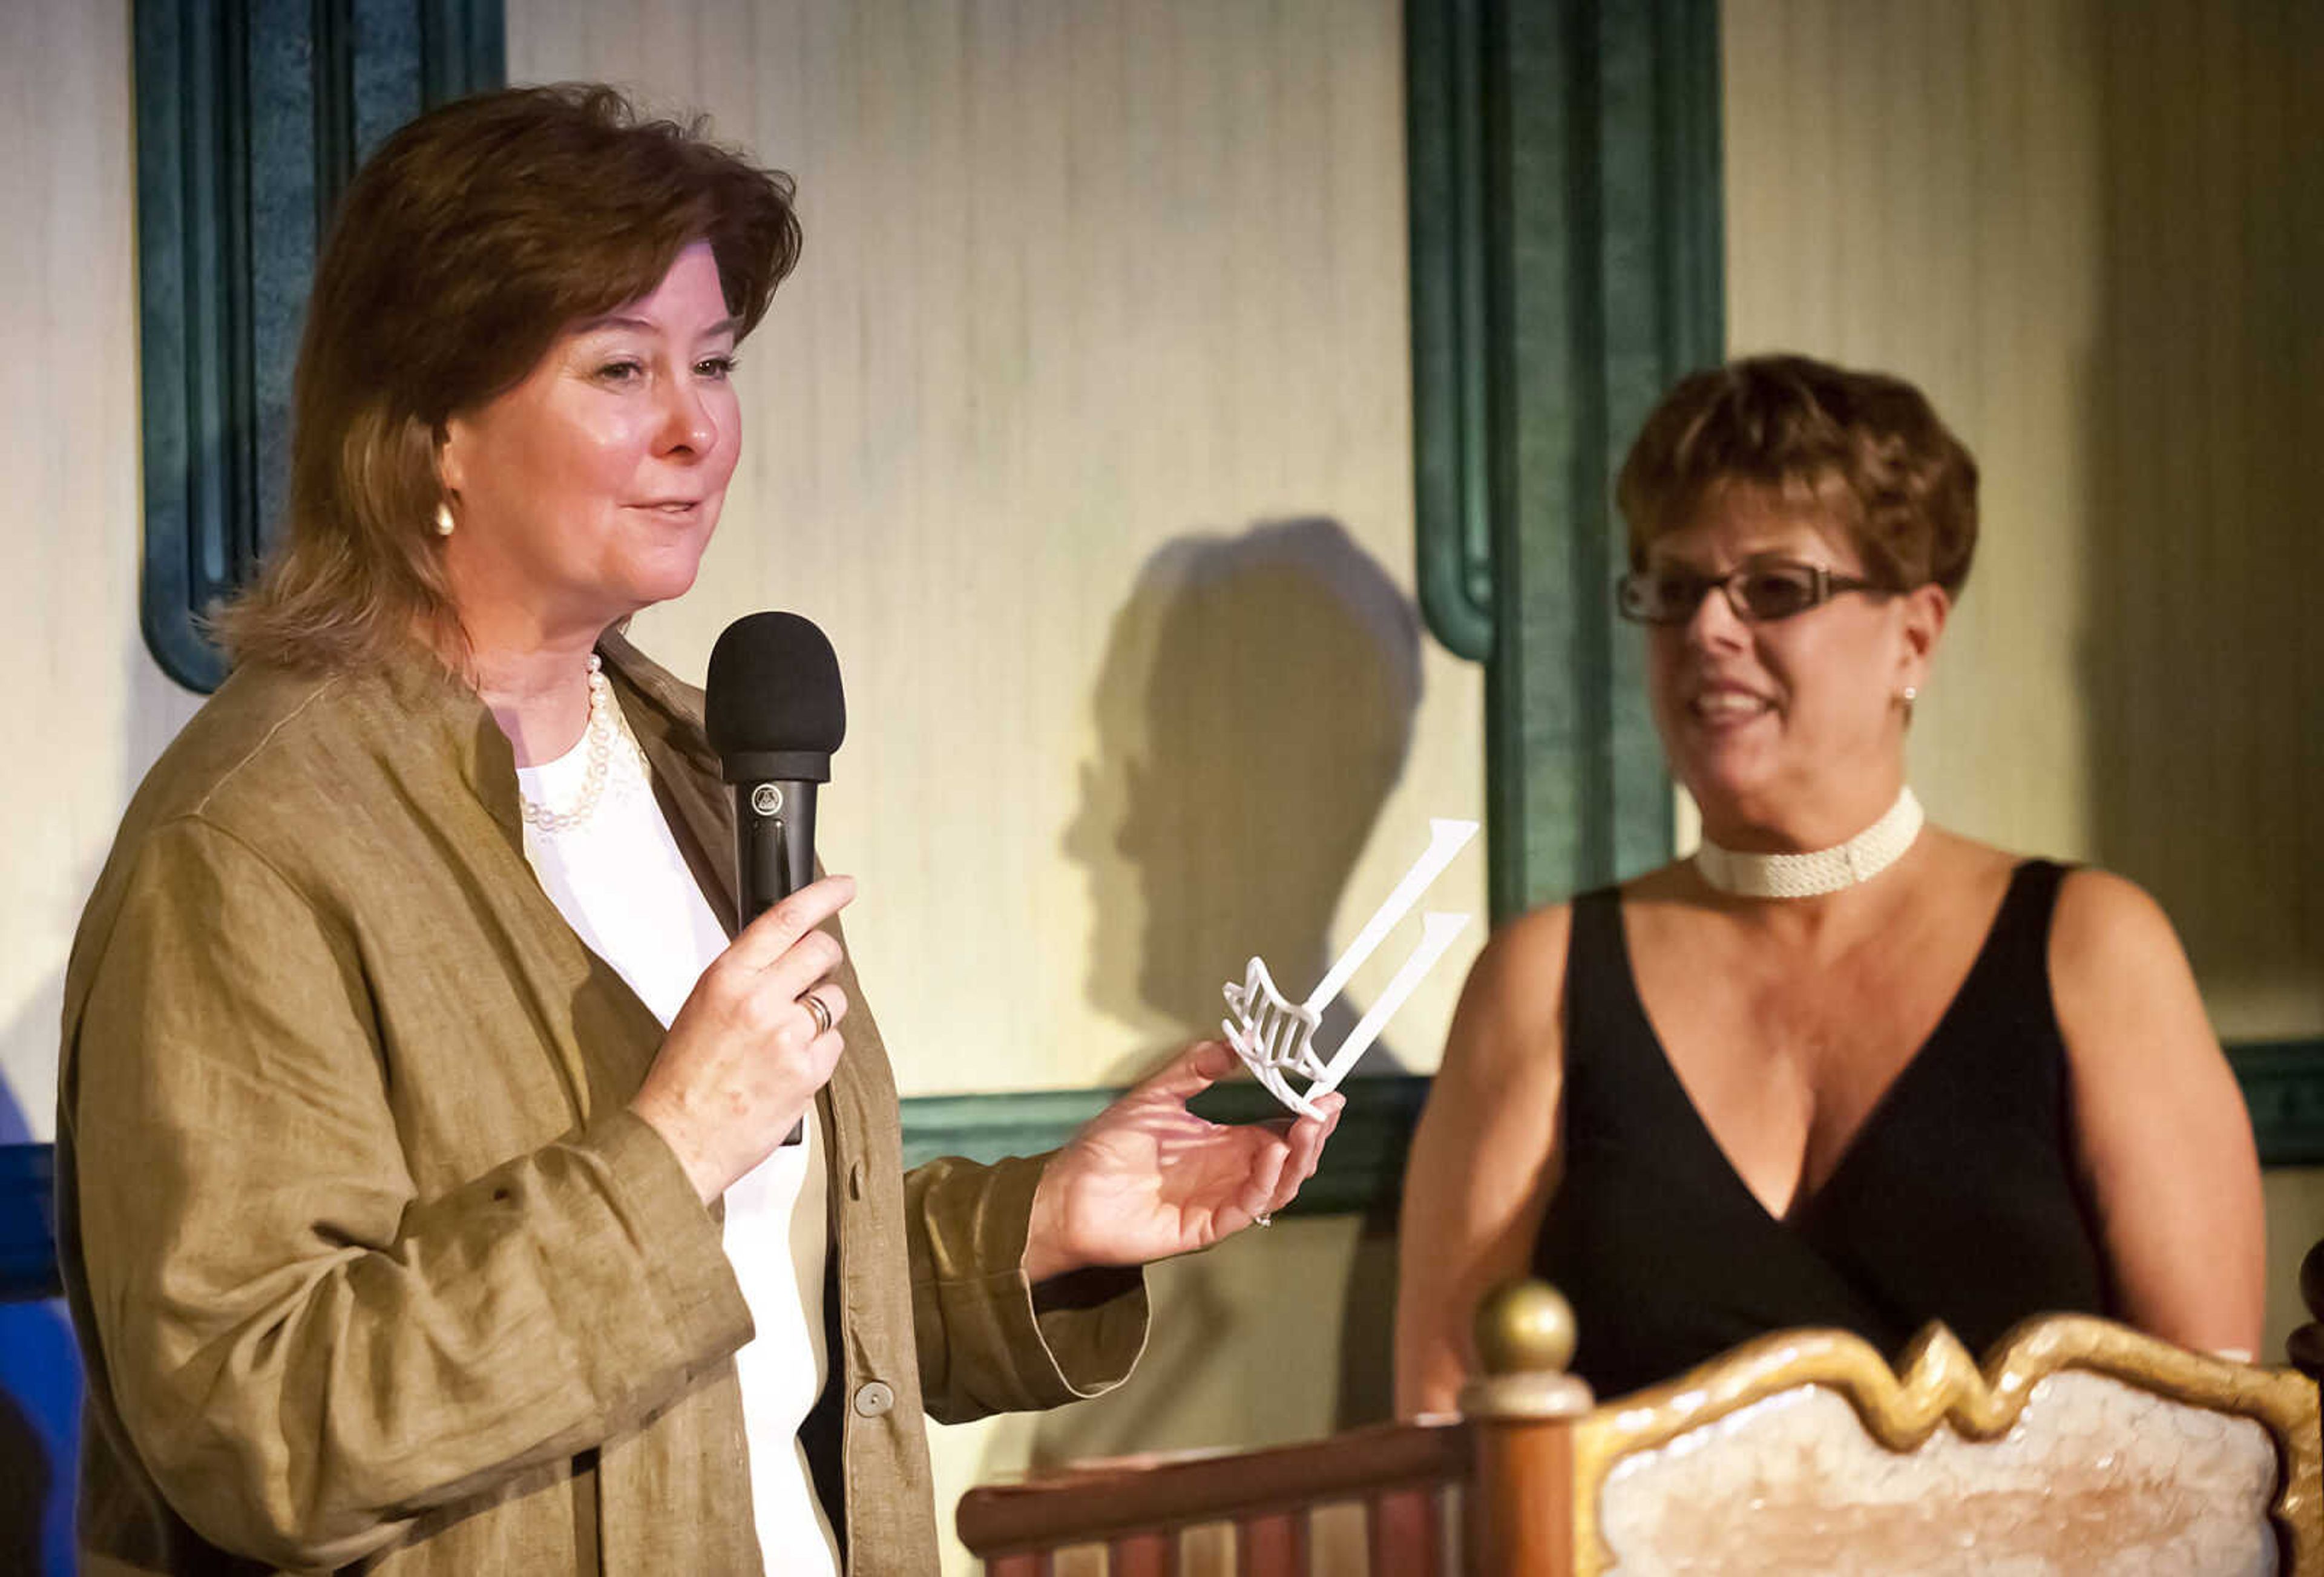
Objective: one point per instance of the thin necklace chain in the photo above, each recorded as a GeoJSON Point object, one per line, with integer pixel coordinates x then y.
{"type": "Point", "coordinates": [604, 732]}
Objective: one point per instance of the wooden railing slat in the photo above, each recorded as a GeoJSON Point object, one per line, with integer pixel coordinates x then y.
{"type": "Point", "coordinates": [1404, 1536]}
{"type": "Point", "coordinates": [1273, 1546]}
{"type": "Point", "coordinates": [1143, 1555]}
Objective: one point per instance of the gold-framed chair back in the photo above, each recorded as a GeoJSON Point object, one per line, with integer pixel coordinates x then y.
{"type": "Point", "coordinates": [2079, 1446]}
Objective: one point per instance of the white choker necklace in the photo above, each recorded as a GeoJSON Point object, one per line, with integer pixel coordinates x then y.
{"type": "Point", "coordinates": [1860, 859]}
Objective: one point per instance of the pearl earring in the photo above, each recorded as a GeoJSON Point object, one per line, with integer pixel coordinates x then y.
{"type": "Point", "coordinates": [1911, 694]}
{"type": "Point", "coordinates": [444, 519]}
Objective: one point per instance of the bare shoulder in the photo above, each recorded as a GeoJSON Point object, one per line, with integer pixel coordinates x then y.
{"type": "Point", "coordinates": [1525, 959]}
{"type": "Point", "coordinates": [2112, 949]}
{"type": "Point", "coordinates": [1507, 1023]}
{"type": "Point", "coordinates": [2118, 977]}
{"type": "Point", "coordinates": [2107, 922]}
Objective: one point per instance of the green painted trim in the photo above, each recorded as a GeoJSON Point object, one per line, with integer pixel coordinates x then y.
{"type": "Point", "coordinates": [1454, 326]}
{"type": "Point", "coordinates": [192, 245]}
{"type": "Point", "coordinates": [2284, 1089]}
{"type": "Point", "coordinates": [987, 1127]}
{"type": "Point", "coordinates": [463, 48]}
{"type": "Point", "coordinates": [251, 117]}
{"type": "Point", "coordinates": [1362, 1169]}
{"type": "Point", "coordinates": [1564, 188]}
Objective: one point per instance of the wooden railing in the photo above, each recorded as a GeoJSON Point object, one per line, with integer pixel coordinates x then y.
{"type": "Point", "coordinates": [1402, 1480]}
{"type": "Point", "coordinates": [1488, 1492]}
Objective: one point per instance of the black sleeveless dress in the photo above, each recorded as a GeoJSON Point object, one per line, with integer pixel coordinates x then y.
{"type": "Point", "coordinates": [1957, 1200]}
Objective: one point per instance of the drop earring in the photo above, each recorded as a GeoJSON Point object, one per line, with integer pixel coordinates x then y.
{"type": "Point", "coordinates": [443, 518]}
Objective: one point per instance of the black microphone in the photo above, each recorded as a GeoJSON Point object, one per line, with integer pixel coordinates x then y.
{"type": "Point", "coordinates": [774, 712]}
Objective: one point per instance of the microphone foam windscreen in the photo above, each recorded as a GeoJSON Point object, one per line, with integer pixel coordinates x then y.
{"type": "Point", "coordinates": [773, 686]}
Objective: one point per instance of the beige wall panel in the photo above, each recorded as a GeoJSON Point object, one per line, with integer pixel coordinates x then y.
{"type": "Point", "coordinates": [91, 709]}
{"type": "Point", "coordinates": [2085, 229]}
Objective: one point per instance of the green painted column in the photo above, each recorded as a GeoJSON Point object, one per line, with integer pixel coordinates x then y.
{"type": "Point", "coordinates": [1565, 237]}
{"type": "Point", "coordinates": [252, 115]}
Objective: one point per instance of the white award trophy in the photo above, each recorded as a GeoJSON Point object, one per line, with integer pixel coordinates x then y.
{"type": "Point", "coordinates": [1276, 1038]}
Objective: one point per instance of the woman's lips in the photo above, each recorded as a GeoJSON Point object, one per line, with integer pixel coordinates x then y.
{"type": "Point", "coordinates": [675, 511]}
{"type": "Point", "coordinates": [1726, 704]}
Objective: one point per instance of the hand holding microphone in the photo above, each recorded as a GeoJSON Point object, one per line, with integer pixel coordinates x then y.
{"type": "Point", "coordinates": [757, 1038]}
{"type": "Point", "coordinates": [745, 1054]}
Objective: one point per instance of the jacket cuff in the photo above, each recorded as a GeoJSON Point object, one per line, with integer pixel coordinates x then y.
{"type": "Point", "coordinates": [1072, 1338]}
{"type": "Point", "coordinates": [688, 1275]}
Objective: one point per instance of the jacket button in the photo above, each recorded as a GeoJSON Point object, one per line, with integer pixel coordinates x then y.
{"type": "Point", "coordinates": [856, 1180]}
{"type": "Point", "coordinates": [873, 1398]}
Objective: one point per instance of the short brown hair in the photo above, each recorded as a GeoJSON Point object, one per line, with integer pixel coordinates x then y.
{"type": "Point", "coordinates": [463, 246]}
{"type": "Point", "coordinates": [1866, 449]}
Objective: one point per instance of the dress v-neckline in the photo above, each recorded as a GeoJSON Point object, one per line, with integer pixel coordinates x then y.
{"type": "Point", "coordinates": [1794, 1218]}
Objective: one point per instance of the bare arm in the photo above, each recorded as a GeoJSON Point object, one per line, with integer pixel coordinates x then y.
{"type": "Point", "coordinates": [2164, 1142]}
{"type": "Point", "coordinates": [1485, 1157]}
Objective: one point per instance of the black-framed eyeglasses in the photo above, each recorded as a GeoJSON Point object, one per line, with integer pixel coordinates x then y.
{"type": "Point", "coordinates": [1760, 591]}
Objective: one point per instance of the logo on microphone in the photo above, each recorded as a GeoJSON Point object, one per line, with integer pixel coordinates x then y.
{"type": "Point", "coordinates": [767, 800]}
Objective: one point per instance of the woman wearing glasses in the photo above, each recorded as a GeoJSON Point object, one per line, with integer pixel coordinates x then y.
{"type": "Point", "coordinates": [1842, 1067]}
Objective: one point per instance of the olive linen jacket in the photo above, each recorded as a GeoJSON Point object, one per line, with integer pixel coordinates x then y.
{"type": "Point", "coordinates": [369, 1263]}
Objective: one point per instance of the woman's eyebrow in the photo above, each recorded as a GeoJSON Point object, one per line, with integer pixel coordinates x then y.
{"type": "Point", "coordinates": [645, 326]}
{"type": "Point", "coordinates": [611, 320]}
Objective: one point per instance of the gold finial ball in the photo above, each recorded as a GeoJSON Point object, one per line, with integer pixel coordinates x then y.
{"type": "Point", "coordinates": [2312, 1281]}
{"type": "Point", "coordinates": [1525, 1327]}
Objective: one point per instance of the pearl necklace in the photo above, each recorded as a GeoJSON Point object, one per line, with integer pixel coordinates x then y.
{"type": "Point", "coordinates": [606, 729]}
{"type": "Point", "coordinates": [1860, 859]}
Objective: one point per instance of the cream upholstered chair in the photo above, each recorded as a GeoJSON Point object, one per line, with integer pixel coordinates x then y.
{"type": "Point", "coordinates": [2079, 1446]}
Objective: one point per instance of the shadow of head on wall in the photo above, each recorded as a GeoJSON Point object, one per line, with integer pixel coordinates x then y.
{"type": "Point", "coordinates": [1253, 709]}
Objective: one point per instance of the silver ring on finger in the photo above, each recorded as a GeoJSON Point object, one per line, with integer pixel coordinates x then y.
{"type": "Point", "coordinates": [812, 1000]}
